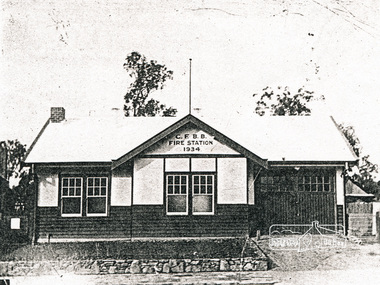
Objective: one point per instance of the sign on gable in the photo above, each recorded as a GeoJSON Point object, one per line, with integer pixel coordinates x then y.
{"type": "Point", "coordinates": [190, 141]}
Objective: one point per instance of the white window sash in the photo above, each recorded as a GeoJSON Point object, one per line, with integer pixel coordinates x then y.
{"type": "Point", "coordinates": [205, 194]}
{"type": "Point", "coordinates": [75, 196]}
{"type": "Point", "coordinates": [98, 196]}
{"type": "Point", "coordinates": [187, 195]}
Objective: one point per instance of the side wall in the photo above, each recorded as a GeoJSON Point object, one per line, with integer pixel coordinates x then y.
{"type": "Point", "coordinates": [50, 225]}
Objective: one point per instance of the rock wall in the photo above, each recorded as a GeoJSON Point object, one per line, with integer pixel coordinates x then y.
{"type": "Point", "coordinates": [22, 268]}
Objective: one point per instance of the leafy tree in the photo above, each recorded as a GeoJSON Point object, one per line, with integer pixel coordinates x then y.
{"type": "Point", "coordinates": [353, 140]}
{"type": "Point", "coordinates": [280, 102]}
{"type": "Point", "coordinates": [366, 169]}
{"type": "Point", "coordinates": [14, 153]}
{"type": "Point", "coordinates": [149, 76]}
{"type": "Point", "coordinates": [20, 194]}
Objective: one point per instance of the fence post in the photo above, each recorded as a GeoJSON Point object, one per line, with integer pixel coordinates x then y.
{"type": "Point", "coordinates": [258, 235]}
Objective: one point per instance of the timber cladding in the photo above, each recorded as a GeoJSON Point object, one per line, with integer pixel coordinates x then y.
{"type": "Point", "coordinates": [52, 225]}
{"type": "Point", "coordinates": [292, 197]}
{"type": "Point", "coordinates": [228, 221]}
{"type": "Point", "coordinates": [143, 221]}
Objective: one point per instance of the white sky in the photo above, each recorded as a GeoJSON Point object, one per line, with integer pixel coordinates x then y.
{"type": "Point", "coordinates": [71, 54]}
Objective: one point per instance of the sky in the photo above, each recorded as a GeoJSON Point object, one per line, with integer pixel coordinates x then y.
{"type": "Point", "coordinates": [71, 54]}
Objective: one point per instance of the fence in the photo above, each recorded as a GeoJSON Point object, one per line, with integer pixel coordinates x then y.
{"type": "Point", "coordinates": [359, 208]}
{"type": "Point", "coordinates": [360, 218]}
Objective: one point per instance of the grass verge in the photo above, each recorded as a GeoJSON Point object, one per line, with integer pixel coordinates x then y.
{"type": "Point", "coordinates": [186, 249]}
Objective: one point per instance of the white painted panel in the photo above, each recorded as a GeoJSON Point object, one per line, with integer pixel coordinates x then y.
{"type": "Point", "coordinates": [191, 141]}
{"type": "Point", "coordinates": [15, 223]}
{"type": "Point", "coordinates": [48, 190]}
{"type": "Point", "coordinates": [177, 164]}
{"type": "Point", "coordinates": [121, 188]}
{"type": "Point", "coordinates": [376, 208]}
{"type": "Point", "coordinates": [203, 164]}
{"type": "Point", "coordinates": [232, 181]}
{"type": "Point", "coordinates": [148, 181]}
{"type": "Point", "coordinates": [339, 187]}
{"type": "Point", "coordinates": [251, 187]}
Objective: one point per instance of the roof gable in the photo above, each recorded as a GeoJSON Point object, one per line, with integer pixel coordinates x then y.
{"type": "Point", "coordinates": [159, 143]}
{"type": "Point", "coordinates": [190, 139]}
{"type": "Point", "coordinates": [354, 190]}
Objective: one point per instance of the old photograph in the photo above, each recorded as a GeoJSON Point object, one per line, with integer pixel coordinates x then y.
{"type": "Point", "coordinates": [190, 142]}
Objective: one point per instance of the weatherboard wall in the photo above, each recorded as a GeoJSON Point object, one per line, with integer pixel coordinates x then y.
{"type": "Point", "coordinates": [51, 225]}
{"type": "Point", "coordinates": [152, 221]}
{"type": "Point", "coordinates": [127, 219]}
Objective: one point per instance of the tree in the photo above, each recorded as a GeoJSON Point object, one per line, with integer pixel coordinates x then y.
{"type": "Point", "coordinates": [20, 193]}
{"type": "Point", "coordinates": [281, 102]}
{"type": "Point", "coordinates": [148, 76]}
{"type": "Point", "coordinates": [366, 169]}
{"type": "Point", "coordinates": [14, 155]}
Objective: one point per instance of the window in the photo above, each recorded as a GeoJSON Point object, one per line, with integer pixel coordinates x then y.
{"type": "Point", "coordinates": [277, 183]}
{"type": "Point", "coordinates": [198, 201]}
{"type": "Point", "coordinates": [305, 181]}
{"type": "Point", "coordinates": [177, 190]}
{"type": "Point", "coordinates": [315, 183]}
{"type": "Point", "coordinates": [96, 195]}
{"type": "Point", "coordinates": [84, 196]}
{"type": "Point", "coordinates": [72, 196]}
{"type": "Point", "coordinates": [203, 188]}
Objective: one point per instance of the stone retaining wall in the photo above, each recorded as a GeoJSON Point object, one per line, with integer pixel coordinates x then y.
{"type": "Point", "coordinates": [22, 268]}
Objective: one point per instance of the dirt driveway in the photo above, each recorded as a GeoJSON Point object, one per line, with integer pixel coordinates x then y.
{"type": "Point", "coordinates": [355, 264]}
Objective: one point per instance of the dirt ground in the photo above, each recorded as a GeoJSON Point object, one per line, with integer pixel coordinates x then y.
{"type": "Point", "coordinates": [352, 256]}
{"type": "Point", "coordinates": [354, 264]}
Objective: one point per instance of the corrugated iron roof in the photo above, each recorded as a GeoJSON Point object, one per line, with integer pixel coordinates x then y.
{"type": "Point", "coordinates": [95, 139]}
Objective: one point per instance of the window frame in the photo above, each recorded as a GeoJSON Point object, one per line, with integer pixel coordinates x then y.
{"type": "Point", "coordinates": [84, 190]}
{"type": "Point", "coordinates": [62, 197]}
{"type": "Point", "coordinates": [206, 194]}
{"type": "Point", "coordinates": [190, 193]}
{"type": "Point", "coordinates": [180, 194]}
{"type": "Point", "coordinates": [304, 181]}
{"type": "Point", "coordinates": [314, 184]}
{"type": "Point", "coordinates": [100, 196]}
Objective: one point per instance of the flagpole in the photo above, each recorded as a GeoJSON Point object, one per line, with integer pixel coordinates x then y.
{"type": "Point", "coordinates": [190, 88]}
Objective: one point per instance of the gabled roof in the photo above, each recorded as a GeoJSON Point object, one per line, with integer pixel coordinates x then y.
{"type": "Point", "coordinates": [288, 138]}
{"type": "Point", "coordinates": [91, 139]}
{"type": "Point", "coordinates": [94, 139]}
